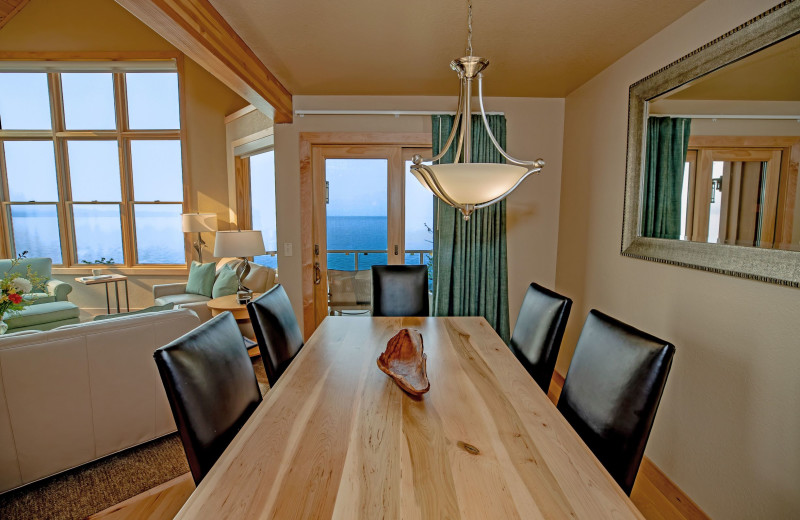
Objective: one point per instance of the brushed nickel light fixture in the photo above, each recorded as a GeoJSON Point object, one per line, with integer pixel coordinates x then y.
{"type": "Point", "coordinates": [467, 185]}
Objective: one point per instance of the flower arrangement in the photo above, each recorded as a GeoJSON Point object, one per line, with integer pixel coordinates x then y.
{"type": "Point", "coordinates": [13, 286]}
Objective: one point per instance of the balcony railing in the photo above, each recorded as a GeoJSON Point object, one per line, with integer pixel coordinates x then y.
{"type": "Point", "coordinates": [357, 253]}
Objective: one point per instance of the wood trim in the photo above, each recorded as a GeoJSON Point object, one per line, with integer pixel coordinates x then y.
{"type": "Point", "coordinates": [239, 113]}
{"type": "Point", "coordinates": [88, 55]}
{"type": "Point", "coordinates": [308, 140]}
{"type": "Point", "coordinates": [9, 9]}
{"type": "Point", "coordinates": [198, 30]}
{"type": "Point", "coordinates": [738, 141]}
{"type": "Point", "coordinates": [244, 216]}
{"type": "Point", "coordinates": [787, 193]}
{"type": "Point", "coordinates": [653, 492]}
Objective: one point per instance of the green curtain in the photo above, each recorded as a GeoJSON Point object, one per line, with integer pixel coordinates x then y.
{"type": "Point", "coordinates": [470, 270]}
{"type": "Point", "coordinates": [667, 142]}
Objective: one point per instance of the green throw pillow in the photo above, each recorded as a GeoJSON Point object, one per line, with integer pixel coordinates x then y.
{"type": "Point", "coordinates": [154, 308]}
{"type": "Point", "coordinates": [201, 279]}
{"type": "Point", "coordinates": [227, 282]}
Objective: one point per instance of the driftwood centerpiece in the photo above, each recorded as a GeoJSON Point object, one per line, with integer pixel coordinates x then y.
{"type": "Point", "coordinates": [404, 361]}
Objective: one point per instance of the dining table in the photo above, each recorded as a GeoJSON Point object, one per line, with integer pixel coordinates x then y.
{"type": "Point", "coordinates": [337, 438]}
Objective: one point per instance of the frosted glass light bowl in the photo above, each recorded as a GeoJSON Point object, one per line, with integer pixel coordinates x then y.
{"type": "Point", "coordinates": [474, 183]}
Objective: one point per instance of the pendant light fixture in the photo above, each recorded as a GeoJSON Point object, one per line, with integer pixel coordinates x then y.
{"type": "Point", "coordinates": [464, 184]}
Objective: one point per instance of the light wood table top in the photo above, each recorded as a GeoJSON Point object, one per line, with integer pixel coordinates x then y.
{"type": "Point", "coordinates": [230, 303]}
{"type": "Point", "coordinates": [336, 438]}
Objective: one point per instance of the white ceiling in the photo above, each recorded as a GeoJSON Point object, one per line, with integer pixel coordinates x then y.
{"type": "Point", "coordinates": [537, 48]}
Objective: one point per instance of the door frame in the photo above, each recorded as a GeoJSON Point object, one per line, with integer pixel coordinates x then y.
{"type": "Point", "coordinates": [308, 142]}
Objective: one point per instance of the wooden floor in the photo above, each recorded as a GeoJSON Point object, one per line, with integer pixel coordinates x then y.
{"type": "Point", "coordinates": [656, 496]}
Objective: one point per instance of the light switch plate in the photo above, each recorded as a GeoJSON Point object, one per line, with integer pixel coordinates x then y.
{"type": "Point", "coordinates": [287, 249]}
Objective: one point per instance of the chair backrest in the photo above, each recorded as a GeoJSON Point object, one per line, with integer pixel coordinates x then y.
{"type": "Point", "coordinates": [277, 332]}
{"type": "Point", "coordinates": [40, 266]}
{"type": "Point", "coordinates": [612, 391]}
{"type": "Point", "coordinates": [400, 290]}
{"type": "Point", "coordinates": [537, 334]}
{"type": "Point", "coordinates": [211, 388]}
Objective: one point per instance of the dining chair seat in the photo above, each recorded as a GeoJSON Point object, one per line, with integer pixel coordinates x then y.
{"type": "Point", "coordinates": [612, 391]}
{"type": "Point", "coordinates": [211, 388]}
{"type": "Point", "coordinates": [400, 290]}
{"type": "Point", "coordinates": [277, 332]}
{"type": "Point", "coordinates": [538, 332]}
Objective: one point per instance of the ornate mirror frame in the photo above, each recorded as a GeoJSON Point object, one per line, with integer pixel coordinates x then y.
{"type": "Point", "coordinates": [769, 265]}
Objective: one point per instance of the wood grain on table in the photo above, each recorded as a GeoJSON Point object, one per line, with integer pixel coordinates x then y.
{"type": "Point", "coordinates": [336, 438]}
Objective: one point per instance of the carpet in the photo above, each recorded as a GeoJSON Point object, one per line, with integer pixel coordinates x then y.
{"type": "Point", "coordinates": [93, 487]}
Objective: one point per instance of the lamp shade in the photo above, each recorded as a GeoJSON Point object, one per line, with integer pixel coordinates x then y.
{"type": "Point", "coordinates": [474, 183]}
{"type": "Point", "coordinates": [239, 243]}
{"type": "Point", "coordinates": [199, 222]}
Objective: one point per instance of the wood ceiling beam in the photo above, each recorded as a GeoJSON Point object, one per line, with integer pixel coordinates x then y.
{"type": "Point", "coordinates": [9, 8]}
{"type": "Point", "coordinates": [200, 32]}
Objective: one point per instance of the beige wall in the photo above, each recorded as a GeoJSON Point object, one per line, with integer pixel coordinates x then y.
{"type": "Point", "coordinates": [102, 25]}
{"type": "Point", "coordinates": [535, 129]}
{"type": "Point", "coordinates": [728, 427]}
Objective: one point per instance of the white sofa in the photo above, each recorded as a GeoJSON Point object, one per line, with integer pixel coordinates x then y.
{"type": "Point", "coordinates": [259, 279]}
{"type": "Point", "coordinates": [80, 392]}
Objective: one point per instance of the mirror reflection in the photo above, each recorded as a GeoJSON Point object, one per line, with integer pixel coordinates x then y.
{"type": "Point", "coordinates": [721, 155]}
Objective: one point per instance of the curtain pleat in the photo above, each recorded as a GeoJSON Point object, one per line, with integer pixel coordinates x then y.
{"type": "Point", "coordinates": [470, 274]}
{"type": "Point", "coordinates": [665, 156]}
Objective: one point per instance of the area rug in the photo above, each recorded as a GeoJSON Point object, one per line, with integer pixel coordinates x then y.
{"type": "Point", "coordinates": [99, 485]}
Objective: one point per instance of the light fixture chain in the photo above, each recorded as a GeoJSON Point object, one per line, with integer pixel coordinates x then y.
{"type": "Point", "coordinates": [469, 27]}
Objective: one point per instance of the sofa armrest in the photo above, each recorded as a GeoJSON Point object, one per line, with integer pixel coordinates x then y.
{"type": "Point", "coordinates": [168, 289]}
{"type": "Point", "coordinates": [58, 289]}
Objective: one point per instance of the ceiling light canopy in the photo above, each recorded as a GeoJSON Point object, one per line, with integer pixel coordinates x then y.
{"type": "Point", "coordinates": [464, 184]}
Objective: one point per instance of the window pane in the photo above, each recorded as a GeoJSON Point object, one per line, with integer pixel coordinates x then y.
{"type": "Point", "coordinates": [157, 173]}
{"type": "Point", "coordinates": [88, 101]}
{"type": "Point", "coordinates": [262, 193]}
{"type": "Point", "coordinates": [153, 101]}
{"type": "Point", "coordinates": [35, 230]}
{"type": "Point", "coordinates": [94, 170]}
{"type": "Point", "coordinates": [341, 261]}
{"type": "Point", "coordinates": [98, 232]}
{"type": "Point", "coordinates": [24, 101]}
{"type": "Point", "coordinates": [159, 238]}
{"type": "Point", "coordinates": [31, 171]}
{"type": "Point", "coordinates": [419, 214]}
{"type": "Point", "coordinates": [356, 213]}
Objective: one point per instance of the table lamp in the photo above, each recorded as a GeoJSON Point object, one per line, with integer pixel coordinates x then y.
{"type": "Point", "coordinates": [199, 223]}
{"type": "Point", "coordinates": [243, 244]}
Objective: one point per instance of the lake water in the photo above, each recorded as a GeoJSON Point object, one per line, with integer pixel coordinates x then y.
{"type": "Point", "coordinates": [160, 240]}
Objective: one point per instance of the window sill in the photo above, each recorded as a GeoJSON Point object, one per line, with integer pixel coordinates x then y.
{"type": "Point", "coordinates": [127, 271]}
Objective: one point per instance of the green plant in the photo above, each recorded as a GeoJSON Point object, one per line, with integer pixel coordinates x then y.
{"type": "Point", "coordinates": [102, 261]}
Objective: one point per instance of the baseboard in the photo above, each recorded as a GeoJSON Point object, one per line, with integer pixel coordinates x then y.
{"type": "Point", "coordinates": [684, 507]}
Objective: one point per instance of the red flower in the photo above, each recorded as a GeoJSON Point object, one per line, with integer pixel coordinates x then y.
{"type": "Point", "coordinates": [15, 298]}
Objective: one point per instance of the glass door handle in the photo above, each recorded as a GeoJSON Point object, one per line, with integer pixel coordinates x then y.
{"type": "Point", "coordinates": [396, 250]}
{"type": "Point", "coordinates": [317, 274]}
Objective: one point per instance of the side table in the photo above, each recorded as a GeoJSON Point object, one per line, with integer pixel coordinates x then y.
{"type": "Point", "coordinates": [107, 279]}
{"type": "Point", "coordinates": [239, 311]}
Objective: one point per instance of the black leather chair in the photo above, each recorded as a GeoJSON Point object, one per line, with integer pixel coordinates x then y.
{"type": "Point", "coordinates": [612, 390]}
{"type": "Point", "coordinates": [211, 387]}
{"type": "Point", "coordinates": [400, 290]}
{"type": "Point", "coordinates": [537, 334]}
{"type": "Point", "coordinates": [277, 332]}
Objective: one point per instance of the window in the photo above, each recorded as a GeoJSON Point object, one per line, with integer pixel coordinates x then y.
{"type": "Point", "coordinates": [91, 166]}
{"type": "Point", "coordinates": [256, 206]}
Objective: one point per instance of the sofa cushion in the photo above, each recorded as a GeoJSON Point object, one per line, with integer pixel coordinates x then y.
{"type": "Point", "coordinates": [226, 282]}
{"type": "Point", "coordinates": [154, 308]}
{"type": "Point", "coordinates": [201, 279]}
{"type": "Point", "coordinates": [41, 313]}
{"type": "Point", "coordinates": [179, 299]}
{"type": "Point", "coordinates": [38, 297]}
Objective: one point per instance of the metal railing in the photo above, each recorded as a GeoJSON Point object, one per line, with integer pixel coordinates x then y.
{"type": "Point", "coordinates": [357, 252]}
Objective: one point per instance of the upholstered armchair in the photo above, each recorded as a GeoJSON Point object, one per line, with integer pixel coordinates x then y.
{"type": "Point", "coordinates": [258, 280]}
{"type": "Point", "coordinates": [56, 290]}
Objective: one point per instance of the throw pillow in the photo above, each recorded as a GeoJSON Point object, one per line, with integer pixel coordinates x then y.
{"type": "Point", "coordinates": [201, 279]}
{"type": "Point", "coordinates": [154, 308]}
{"type": "Point", "coordinates": [226, 283]}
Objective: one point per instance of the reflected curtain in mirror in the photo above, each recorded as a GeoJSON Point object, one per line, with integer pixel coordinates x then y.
{"type": "Point", "coordinates": [470, 273]}
{"type": "Point", "coordinates": [665, 156]}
